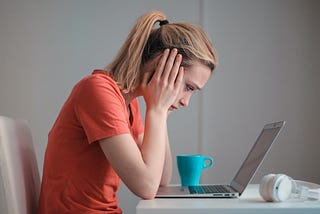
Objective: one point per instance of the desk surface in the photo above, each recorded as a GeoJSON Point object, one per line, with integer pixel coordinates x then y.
{"type": "Point", "coordinates": [249, 202]}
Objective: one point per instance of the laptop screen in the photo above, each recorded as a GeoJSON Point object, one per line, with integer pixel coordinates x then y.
{"type": "Point", "coordinates": [256, 155]}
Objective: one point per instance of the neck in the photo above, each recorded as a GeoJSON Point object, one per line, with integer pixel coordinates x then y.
{"type": "Point", "coordinates": [128, 97]}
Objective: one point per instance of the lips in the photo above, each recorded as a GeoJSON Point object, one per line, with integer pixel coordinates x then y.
{"type": "Point", "coordinates": [172, 108]}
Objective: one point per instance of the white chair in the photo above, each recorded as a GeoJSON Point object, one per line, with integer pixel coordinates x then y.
{"type": "Point", "coordinates": [19, 175]}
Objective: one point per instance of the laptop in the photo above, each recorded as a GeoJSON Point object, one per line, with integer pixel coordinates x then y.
{"type": "Point", "coordinates": [242, 178]}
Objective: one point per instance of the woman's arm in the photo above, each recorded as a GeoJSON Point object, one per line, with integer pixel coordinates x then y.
{"type": "Point", "coordinates": [142, 169]}
{"type": "Point", "coordinates": [167, 168]}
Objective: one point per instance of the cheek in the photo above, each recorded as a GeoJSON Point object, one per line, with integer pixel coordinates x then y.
{"type": "Point", "coordinates": [180, 95]}
{"type": "Point", "coordinates": [181, 91]}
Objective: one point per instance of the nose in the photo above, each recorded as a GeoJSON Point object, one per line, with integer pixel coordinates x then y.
{"type": "Point", "coordinates": [184, 101]}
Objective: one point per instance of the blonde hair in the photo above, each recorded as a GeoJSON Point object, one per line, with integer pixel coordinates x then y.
{"type": "Point", "coordinates": [145, 42]}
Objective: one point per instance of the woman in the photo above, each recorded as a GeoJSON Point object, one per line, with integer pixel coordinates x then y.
{"type": "Point", "coordinates": [99, 139]}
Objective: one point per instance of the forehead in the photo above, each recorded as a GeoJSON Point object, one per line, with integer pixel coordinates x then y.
{"type": "Point", "coordinates": [198, 74]}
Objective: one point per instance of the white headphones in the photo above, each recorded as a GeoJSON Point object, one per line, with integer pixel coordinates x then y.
{"type": "Point", "coordinates": [280, 187]}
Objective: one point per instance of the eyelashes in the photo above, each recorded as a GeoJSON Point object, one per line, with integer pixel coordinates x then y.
{"type": "Point", "coordinates": [189, 88]}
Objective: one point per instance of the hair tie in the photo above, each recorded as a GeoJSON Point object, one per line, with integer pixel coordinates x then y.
{"type": "Point", "coordinates": [163, 22]}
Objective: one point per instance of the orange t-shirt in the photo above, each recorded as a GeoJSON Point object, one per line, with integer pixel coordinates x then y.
{"type": "Point", "coordinates": [77, 177]}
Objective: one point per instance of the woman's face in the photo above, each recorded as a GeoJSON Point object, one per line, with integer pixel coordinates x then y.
{"type": "Point", "coordinates": [195, 77]}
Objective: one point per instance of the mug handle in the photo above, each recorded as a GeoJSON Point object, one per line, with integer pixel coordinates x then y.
{"type": "Point", "coordinates": [208, 159]}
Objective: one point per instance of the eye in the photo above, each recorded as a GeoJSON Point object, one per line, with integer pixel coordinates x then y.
{"type": "Point", "coordinates": [189, 88]}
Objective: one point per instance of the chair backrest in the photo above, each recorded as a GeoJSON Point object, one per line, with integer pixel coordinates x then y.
{"type": "Point", "coordinates": [19, 174]}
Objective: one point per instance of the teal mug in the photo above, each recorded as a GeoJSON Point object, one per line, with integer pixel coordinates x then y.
{"type": "Point", "coordinates": [190, 168]}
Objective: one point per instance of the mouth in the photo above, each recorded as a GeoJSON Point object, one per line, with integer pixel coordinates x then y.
{"type": "Point", "coordinates": [172, 108]}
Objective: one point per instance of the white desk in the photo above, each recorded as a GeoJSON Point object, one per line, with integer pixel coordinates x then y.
{"type": "Point", "coordinates": [249, 202]}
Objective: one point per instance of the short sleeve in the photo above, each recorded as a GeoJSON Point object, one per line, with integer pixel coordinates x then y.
{"type": "Point", "coordinates": [100, 108]}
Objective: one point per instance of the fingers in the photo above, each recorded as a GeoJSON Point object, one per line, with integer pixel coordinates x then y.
{"type": "Point", "coordinates": [175, 69]}
{"type": "Point", "coordinates": [160, 89]}
{"type": "Point", "coordinates": [166, 70]}
{"type": "Point", "coordinates": [161, 65]}
{"type": "Point", "coordinates": [171, 61]}
{"type": "Point", "coordinates": [179, 79]}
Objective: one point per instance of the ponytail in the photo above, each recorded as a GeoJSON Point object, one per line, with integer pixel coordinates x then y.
{"type": "Point", "coordinates": [145, 42]}
{"type": "Point", "coordinates": [126, 66]}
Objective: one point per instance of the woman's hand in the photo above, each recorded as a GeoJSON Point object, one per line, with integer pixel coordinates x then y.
{"type": "Point", "coordinates": [144, 169]}
{"type": "Point", "coordinates": [161, 91]}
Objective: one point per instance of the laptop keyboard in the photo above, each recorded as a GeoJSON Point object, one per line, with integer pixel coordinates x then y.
{"type": "Point", "coordinates": [207, 189]}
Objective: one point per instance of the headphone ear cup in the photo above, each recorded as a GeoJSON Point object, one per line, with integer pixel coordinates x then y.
{"type": "Point", "coordinates": [266, 186]}
{"type": "Point", "coordinates": [281, 188]}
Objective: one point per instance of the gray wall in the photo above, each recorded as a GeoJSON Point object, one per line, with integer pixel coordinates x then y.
{"type": "Point", "coordinates": [269, 70]}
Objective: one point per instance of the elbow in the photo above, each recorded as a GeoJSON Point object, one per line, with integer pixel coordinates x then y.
{"type": "Point", "coordinates": [145, 195]}
{"type": "Point", "coordinates": [148, 193]}
{"type": "Point", "coordinates": [148, 196]}
{"type": "Point", "coordinates": [148, 190]}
